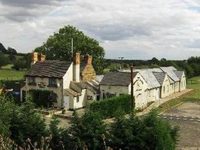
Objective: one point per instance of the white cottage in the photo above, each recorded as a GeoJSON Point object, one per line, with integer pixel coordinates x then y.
{"type": "Point", "coordinates": [119, 83]}
{"type": "Point", "coordinates": [73, 82]}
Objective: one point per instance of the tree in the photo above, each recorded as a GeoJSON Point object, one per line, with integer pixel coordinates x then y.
{"type": "Point", "coordinates": [2, 48]}
{"type": "Point", "coordinates": [58, 46]}
{"type": "Point", "coordinates": [11, 51]}
{"type": "Point", "coordinates": [6, 112]}
{"type": "Point", "coordinates": [20, 64]}
{"type": "Point", "coordinates": [26, 123]}
{"type": "Point", "coordinates": [88, 131]}
{"type": "Point", "coordinates": [154, 61]}
{"type": "Point", "coordinates": [149, 133]}
{"type": "Point", "coordinates": [3, 60]}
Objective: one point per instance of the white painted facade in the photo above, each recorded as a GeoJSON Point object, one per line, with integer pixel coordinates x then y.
{"type": "Point", "coordinates": [167, 87]}
{"type": "Point", "coordinates": [182, 83]}
{"type": "Point", "coordinates": [139, 91]}
{"type": "Point", "coordinates": [145, 90]}
{"type": "Point", "coordinates": [153, 94]}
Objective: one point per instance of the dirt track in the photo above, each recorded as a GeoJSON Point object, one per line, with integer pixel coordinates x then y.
{"type": "Point", "coordinates": [187, 117]}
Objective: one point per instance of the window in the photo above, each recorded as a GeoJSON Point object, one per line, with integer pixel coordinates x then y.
{"type": "Point", "coordinates": [52, 82]}
{"type": "Point", "coordinates": [31, 81]}
{"type": "Point", "coordinates": [77, 99]}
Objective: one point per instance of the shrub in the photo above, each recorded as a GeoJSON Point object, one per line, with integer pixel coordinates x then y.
{"type": "Point", "coordinates": [147, 133]}
{"type": "Point", "coordinates": [88, 131]}
{"type": "Point", "coordinates": [108, 107]}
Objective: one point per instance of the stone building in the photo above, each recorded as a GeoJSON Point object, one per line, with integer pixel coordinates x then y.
{"type": "Point", "coordinates": [152, 84]}
{"type": "Point", "coordinates": [73, 82]}
{"type": "Point", "coordinates": [119, 83]}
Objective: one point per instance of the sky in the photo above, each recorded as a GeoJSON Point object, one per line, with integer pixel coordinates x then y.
{"type": "Point", "coordinates": [133, 29]}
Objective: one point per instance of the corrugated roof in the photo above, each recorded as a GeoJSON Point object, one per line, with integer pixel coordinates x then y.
{"type": "Point", "coordinates": [117, 78]}
{"type": "Point", "coordinates": [170, 71]}
{"type": "Point", "coordinates": [49, 68]}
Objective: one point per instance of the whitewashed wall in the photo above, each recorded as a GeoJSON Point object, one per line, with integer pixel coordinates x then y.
{"type": "Point", "coordinates": [80, 101]}
{"type": "Point", "coordinates": [167, 87]}
{"type": "Point", "coordinates": [115, 90]}
{"type": "Point", "coordinates": [68, 77]}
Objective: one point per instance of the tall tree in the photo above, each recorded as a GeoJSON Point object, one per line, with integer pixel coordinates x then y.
{"type": "Point", "coordinates": [58, 46]}
{"type": "Point", "coordinates": [2, 48]}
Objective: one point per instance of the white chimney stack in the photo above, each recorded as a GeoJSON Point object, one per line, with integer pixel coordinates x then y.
{"type": "Point", "coordinates": [76, 67]}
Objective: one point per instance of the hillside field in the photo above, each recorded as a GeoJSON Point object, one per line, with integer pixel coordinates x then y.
{"type": "Point", "coordinates": [9, 74]}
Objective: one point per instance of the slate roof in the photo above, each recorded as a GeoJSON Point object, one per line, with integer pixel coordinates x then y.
{"type": "Point", "coordinates": [117, 78]}
{"type": "Point", "coordinates": [179, 73]}
{"type": "Point", "coordinates": [160, 76]}
{"type": "Point", "coordinates": [149, 77]}
{"type": "Point", "coordinates": [170, 71]}
{"type": "Point", "coordinates": [49, 68]}
{"type": "Point", "coordinates": [71, 92]}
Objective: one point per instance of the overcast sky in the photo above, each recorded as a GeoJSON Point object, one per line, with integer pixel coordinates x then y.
{"type": "Point", "coordinates": [134, 29]}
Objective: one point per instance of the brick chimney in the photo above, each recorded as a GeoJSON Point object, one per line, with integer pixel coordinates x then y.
{"type": "Point", "coordinates": [34, 57]}
{"type": "Point", "coordinates": [41, 57]}
{"type": "Point", "coordinates": [76, 67]}
{"type": "Point", "coordinates": [88, 59]}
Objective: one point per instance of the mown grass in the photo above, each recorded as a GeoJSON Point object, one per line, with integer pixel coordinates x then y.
{"type": "Point", "coordinates": [9, 74]}
{"type": "Point", "coordinates": [192, 96]}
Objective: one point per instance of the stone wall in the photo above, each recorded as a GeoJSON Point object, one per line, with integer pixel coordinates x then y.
{"type": "Point", "coordinates": [88, 73]}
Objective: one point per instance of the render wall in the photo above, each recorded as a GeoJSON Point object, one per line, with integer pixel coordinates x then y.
{"type": "Point", "coordinates": [183, 83]}
{"type": "Point", "coordinates": [139, 91]}
{"type": "Point", "coordinates": [114, 90]}
{"type": "Point", "coordinates": [68, 77]}
{"type": "Point", "coordinates": [167, 87]}
{"type": "Point", "coordinates": [153, 94]}
{"type": "Point", "coordinates": [78, 102]}
{"type": "Point", "coordinates": [45, 81]}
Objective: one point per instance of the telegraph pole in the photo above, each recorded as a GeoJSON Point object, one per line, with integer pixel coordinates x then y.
{"type": "Point", "coordinates": [132, 97]}
{"type": "Point", "coordinates": [72, 47]}
{"type": "Point", "coordinates": [120, 58]}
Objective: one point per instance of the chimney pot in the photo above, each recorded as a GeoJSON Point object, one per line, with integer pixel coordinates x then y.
{"type": "Point", "coordinates": [89, 59]}
{"type": "Point", "coordinates": [42, 57]}
{"type": "Point", "coordinates": [34, 57]}
{"type": "Point", "coordinates": [77, 58]}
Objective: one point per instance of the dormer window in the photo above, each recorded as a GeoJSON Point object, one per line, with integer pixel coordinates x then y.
{"type": "Point", "coordinates": [31, 81]}
{"type": "Point", "coordinates": [52, 82]}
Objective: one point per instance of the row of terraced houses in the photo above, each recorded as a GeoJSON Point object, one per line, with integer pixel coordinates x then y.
{"type": "Point", "coordinates": [75, 82]}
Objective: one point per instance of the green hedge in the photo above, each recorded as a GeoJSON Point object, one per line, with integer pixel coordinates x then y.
{"type": "Point", "coordinates": [109, 107]}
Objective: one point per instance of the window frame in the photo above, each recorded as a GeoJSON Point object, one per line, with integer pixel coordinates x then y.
{"type": "Point", "coordinates": [52, 82]}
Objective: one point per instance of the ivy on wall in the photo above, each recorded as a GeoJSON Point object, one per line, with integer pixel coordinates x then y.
{"type": "Point", "coordinates": [43, 98]}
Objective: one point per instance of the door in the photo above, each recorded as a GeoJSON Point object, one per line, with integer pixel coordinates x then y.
{"type": "Point", "coordinates": [66, 102]}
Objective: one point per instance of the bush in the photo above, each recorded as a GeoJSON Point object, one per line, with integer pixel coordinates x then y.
{"type": "Point", "coordinates": [148, 133]}
{"type": "Point", "coordinates": [20, 122]}
{"type": "Point", "coordinates": [108, 107]}
{"type": "Point", "coordinates": [88, 131]}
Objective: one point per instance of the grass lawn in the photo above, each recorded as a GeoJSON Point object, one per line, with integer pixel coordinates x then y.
{"type": "Point", "coordinates": [9, 74]}
{"type": "Point", "coordinates": [193, 96]}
